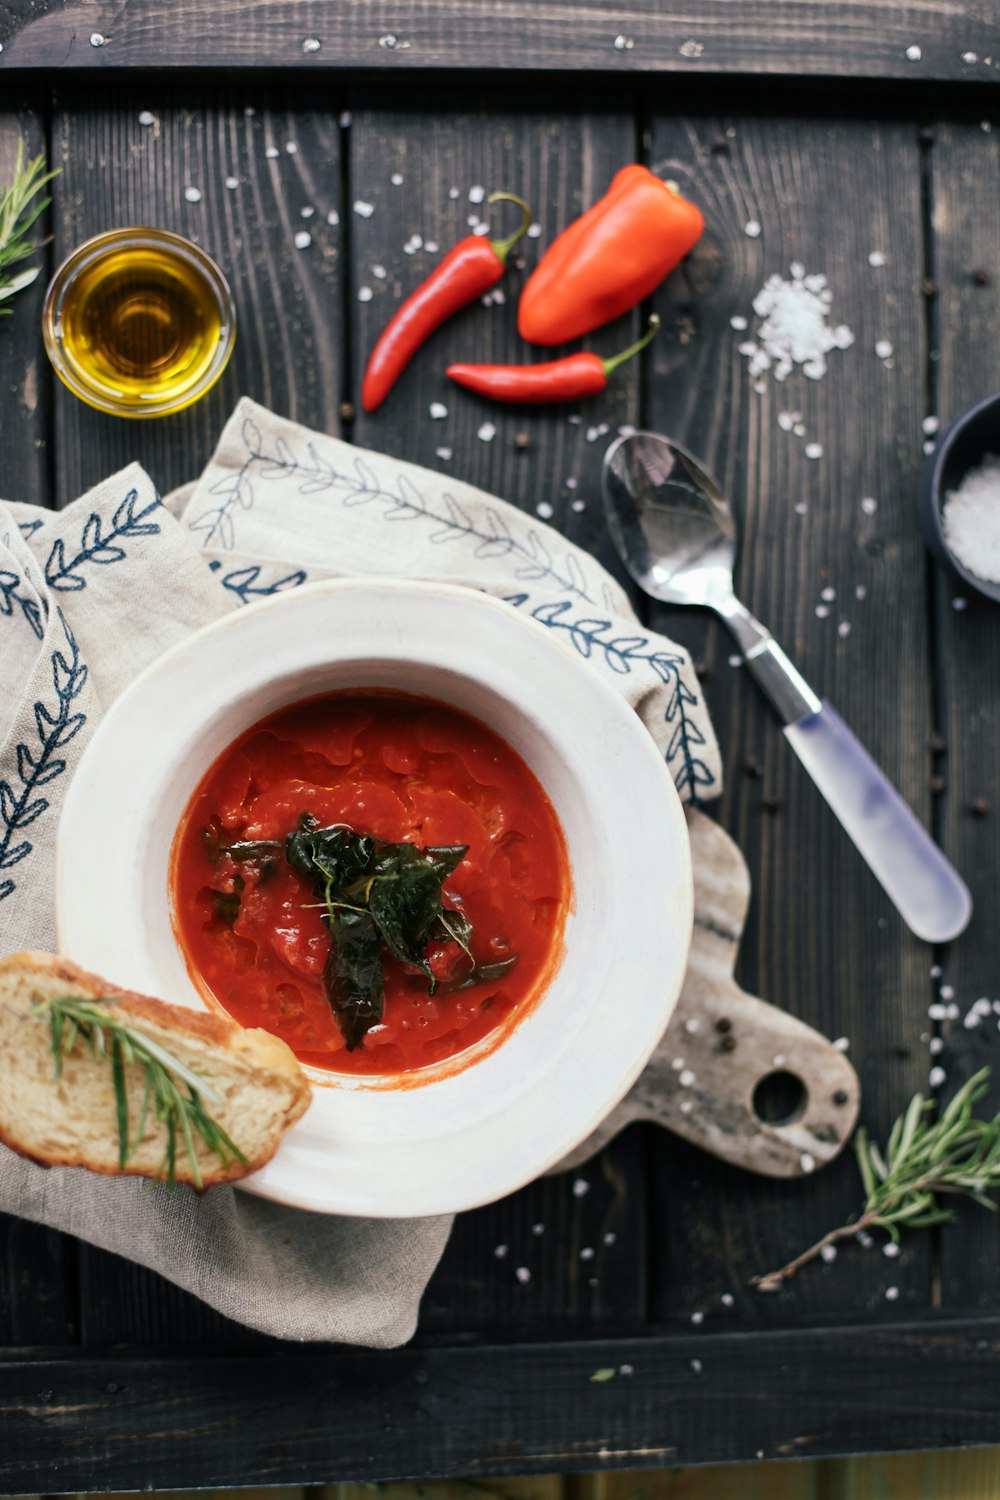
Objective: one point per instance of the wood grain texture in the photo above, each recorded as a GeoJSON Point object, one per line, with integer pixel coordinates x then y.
{"type": "Point", "coordinates": [585, 1256]}
{"type": "Point", "coordinates": [118, 170]}
{"type": "Point", "coordinates": [24, 370]}
{"type": "Point", "coordinates": [822, 941]}
{"type": "Point", "coordinates": [756, 1481]}
{"type": "Point", "coordinates": [314, 1417]}
{"type": "Point", "coordinates": [966, 208]}
{"type": "Point", "coordinates": [868, 39]}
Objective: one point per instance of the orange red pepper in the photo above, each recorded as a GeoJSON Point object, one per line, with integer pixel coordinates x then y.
{"type": "Point", "coordinates": [470, 268]}
{"type": "Point", "coordinates": [609, 259]}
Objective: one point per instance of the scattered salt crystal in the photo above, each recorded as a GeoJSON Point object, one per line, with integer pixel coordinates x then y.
{"type": "Point", "coordinates": [677, 1064]}
{"type": "Point", "coordinates": [936, 1077]}
{"type": "Point", "coordinates": [574, 419]}
{"type": "Point", "coordinates": [626, 430]}
{"type": "Point", "coordinates": [929, 445]}
{"type": "Point", "coordinates": [97, 39]}
{"type": "Point", "coordinates": [813, 450]}
{"type": "Point", "coordinates": [935, 1046]}
{"type": "Point", "coordinates": [971, 1021]}
{"type": "Point", "coordinates": [538, 1229]}
{"type": "Point", "coordinates": [292, 148]}
{"type": "Point", "coordinates": [822, 612]}
{"type": "Point", "coordinates": [807, 1162]}
{"type": "Point", "coordinates": [687, 1105]}
{"type": "Point", "coordinates": [883, 348]}
{"type": "Point", "coordinates": [959, 604]}
{"type": "Point", "coordinates": [586, 1253]}
{"type": "Point", "coordinates": [829, 1254]}
{"type": "Point", "coordinates": [477, 194]}
{"type": "Point", "coordinates": [686, 1079]}
{"type": "Point", "coordinates": [801, 508]}
{"type": "Point", "coordinates": [970, 58]}
{"type": "Point", "coordinates": [691, 1025]}
{"type": "Point", "coordinates": [438, 411]}
{"type": "Point", "coordinates": [749, 349]}
{"type": "Point", "coordinates": [844, 629]}
{"type": "Point", "coordinates": [935, 971]}
{"type": "Point", "coordinates": [472, 220]}
{"type": "Point", "coordinates": [623, 43]}
{"type": "Point", "coordinates": [362, 209]}
{"type": "Point", "coordinates": [696, 1366]}
{"type": "Point", "coordinates": [860, 591]}
{"type": "Point", "coordinates": [890, 1250]}
{"type": "Point", "coordinates": [913, 54]}
{"type": "Point", "coordinates": [751, 229]}
{"type": "Point", "coordinates": [192, 194]}
{"type": "Point", "coordinates": [727, 1299]}
{"type": "Point", "coordinates": [345, 119]}
{"type": "Point", "coordinates": [691, 48]}
{"type": "Point", "coordinates": [271, 152]}
{"type": "Point", "coordinates": [333, 217]}
{"type": "Point", "coordinates": [971, 520]}
{"type": "Point", "coordinates": [876, 259]}
{"type": "Point", "coordinates": [738, 323]}
{"type": "Point", "coordinates": [869, 506]}
{"type": "Point", "coordinates": [760, 386]}
{"type": "Point", "coordinates": [953, 1012]}
{"type": "Point", "coordinates": [892, 1294]}
{"type": "Point", "coordinates": [481, 229]}
{"type": "Point", "coordinates": [930, 425]}
{"type": "Point", "coordinates": [982, 1007]}
{"type": "Point", "coordinates": [864, 1239]}
{"type": "Point", "coordinates": [232, 183]}
{"type": "Point", "coordinates": [523, 1275]}
{"type": "Point", "coordinates": [610, 1237]}
{"type": "Point", "coordinates": [311, 44]}
{"type": "Point", "coordinates": [453, 192]}
{"type": "Point", "coordinates": [947, 992]}
{"type": "Point", "coordinates": [534, 231]}
{"type": "Point", "coordinates": [829, 595]}
{"type": "Point", "coordinates": [304, 239]}
{"type": "Point", "coordinates": [444, 453]}
{"type": "Point", "coordinates": [500, 1252]}
{"type": "Point", "coordinates": [697, 1318]}
{"type": "Point", "coordinates": [379, 272]}
{"type": "Point", "coordinates": [146, 117]}
{"type": "Point", "coordinates": [365, 293]}
{"type": "Point", "coordinates": [390, 40]}
{"type": "Point", "coordinates": [571, 483]}
{"type": "Point", "coordinates": [579, 505]}
{"type": "Point", "coordinates": [795, 329]}
{"type": "Point", "coordinates": [799, 430]}
{"type": "Point", "coordinates": [544, 509]}
{"type": "Point", "coordinates": [307, 212]}
{"type": "Point", "coordinates": [735, 661]}
{"type": "Point", "coordinates": [498, 294]}
{"type": "Point", "coordinates": [581, 1187]}
{"type": "Point", "coordinates": [249, 111]}
{"type": "Point", "coordinates": [936, 1011]}
{"type": "Point", "coordinates": [788, 419]}
{"type": "Point", "coordinates": [626, 1369]}
{"type": "Point", "coordinates": [396, 179]}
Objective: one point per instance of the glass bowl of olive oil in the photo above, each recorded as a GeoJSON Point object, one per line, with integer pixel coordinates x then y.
{"type": "Point", "coordinates": [139, 322]}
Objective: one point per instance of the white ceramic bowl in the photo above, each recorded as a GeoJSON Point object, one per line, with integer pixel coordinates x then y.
{"type": "Point", "coordinates": [478, 1134]}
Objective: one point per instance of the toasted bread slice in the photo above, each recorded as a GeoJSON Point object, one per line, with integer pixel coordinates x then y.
{"type": "Point", "coordinates": [72, 1120]}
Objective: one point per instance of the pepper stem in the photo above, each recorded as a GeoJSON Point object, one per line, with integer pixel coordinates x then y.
{"type": "Point", "coordinates": [648, 336]}
{"type": "Point", "coordinates": [502, 248]}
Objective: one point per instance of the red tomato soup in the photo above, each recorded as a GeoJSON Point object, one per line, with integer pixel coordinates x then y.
{"type": "Point", "coordinates": [256, 931]}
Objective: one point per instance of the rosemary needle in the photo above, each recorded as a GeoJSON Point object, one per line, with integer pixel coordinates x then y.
{"type": "Point", "coordinates": [20, 206]}
{"type": "Point", "coordinates": [173, 1090]}
{"type": "Point", "coordinates": [957, 1155]}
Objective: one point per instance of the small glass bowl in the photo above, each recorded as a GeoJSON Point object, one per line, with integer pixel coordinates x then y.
{"type": "Point", "coordinates": [163, 299]}
{"type": "Point", "coordinates": [961, 447]}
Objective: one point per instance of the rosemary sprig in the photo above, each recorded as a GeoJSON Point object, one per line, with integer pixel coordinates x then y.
{"type": "Point", "coordinates": [173, 1090]}
{"type": "Point", "coordinates": [20, 206]}
{"type": "Point", "coordinates": [924, 1159]}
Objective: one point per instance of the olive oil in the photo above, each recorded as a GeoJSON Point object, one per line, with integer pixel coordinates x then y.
{"type": "Point", "coordinates": [140, 322]}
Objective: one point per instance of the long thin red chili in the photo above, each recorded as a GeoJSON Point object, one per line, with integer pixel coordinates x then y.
{"type": "Point", "coordinates": [557, 380]}
{"type": "Point", "coordinates": [470, 268]}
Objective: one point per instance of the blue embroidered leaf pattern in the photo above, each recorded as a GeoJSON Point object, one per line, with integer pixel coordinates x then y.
{"type": "Point", "coordinates": [98, 546]}
{"type": "Point", "coordinates": [38, 765]}
{"type": "Point", "coordinates": [247, 584]}
{"type": "Point", "coordinates": [28, 528]}
{"type": "Point", "coordinates": [11, 586]}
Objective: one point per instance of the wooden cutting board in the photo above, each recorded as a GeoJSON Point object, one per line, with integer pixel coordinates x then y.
{"type": "Point", "coordinates": [723, 1045]}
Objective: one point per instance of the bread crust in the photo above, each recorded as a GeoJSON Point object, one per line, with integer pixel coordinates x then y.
{"type": "Point", "coordinates": [267, 1059]}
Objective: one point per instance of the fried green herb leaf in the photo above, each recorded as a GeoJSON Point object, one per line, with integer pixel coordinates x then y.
{"type": "Point", "coordinates": [226, 904]}
{"type": "Point", "coordinates": [352, 975]}
{"type": "Point", "coordinates": [175, 1091]}
{"type": "Point", "coordinates": [483, 973]}
{"type": "Point", "coordinates": [404, 897]}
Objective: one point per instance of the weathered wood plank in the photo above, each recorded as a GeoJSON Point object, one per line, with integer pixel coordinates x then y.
{"type": "Point", "coordinates": [757, 1481]}
{"type": "Point", "coordinates": [966, 215]}
{"type": "Point", "coordinates": [822, 940]}
{"type": "Point", "coordinates": [142, 163]}
{"type": "Point", "coordinates": [972, 1475]}
{"type": "Point", "coordinates": [313, 1417]}
{"type": "Point", "coordinates": [24, 370]}
{"type": "Point", "coordinates": [539, 1259]}
{"type": "Point", "coordinates": [814, 38]}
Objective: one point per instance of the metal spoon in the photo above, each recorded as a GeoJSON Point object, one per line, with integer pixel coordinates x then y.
{"type": "Point", "coordinates": [674, 532]}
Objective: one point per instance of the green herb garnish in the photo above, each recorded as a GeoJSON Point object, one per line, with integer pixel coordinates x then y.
{"type": "Point", "coordinates": [956, 1155]}
{"type": "Point", "coordinates": [375, 893]}
{"type": "Point", "coordinates": [20, 206]}
{"type": "Point", "coordinates": [173, 1090]}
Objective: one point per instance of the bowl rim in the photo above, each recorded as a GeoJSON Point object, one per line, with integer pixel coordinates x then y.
{"type": "Point", "coordinates": [930, 499]}
{"type": "Point", "coordinates": [664, 962]}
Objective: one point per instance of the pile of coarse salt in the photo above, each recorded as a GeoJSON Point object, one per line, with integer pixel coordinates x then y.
{"type": "Point", "coordinates": [971, 520]}
{"type": "Point", "coordinates": [795, 329]}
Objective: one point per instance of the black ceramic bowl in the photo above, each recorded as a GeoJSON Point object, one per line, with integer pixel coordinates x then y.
{"type": "Point", "coordinates": [961, 447]}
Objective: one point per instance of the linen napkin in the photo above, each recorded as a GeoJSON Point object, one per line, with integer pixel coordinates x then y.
{"type": "Point", "coordinates": [88, 597]}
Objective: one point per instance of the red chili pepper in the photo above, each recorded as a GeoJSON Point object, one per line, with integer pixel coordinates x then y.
{"type": "Point", "coordinates": [609, 259]}
{"type": "Point", "coordinates": [470, 268]}
{"type": "Point", "coordinates": [559, 380]}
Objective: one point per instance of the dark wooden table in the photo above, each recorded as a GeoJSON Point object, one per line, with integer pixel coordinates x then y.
{"type": "Point", "coordinates": [842, 130]}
